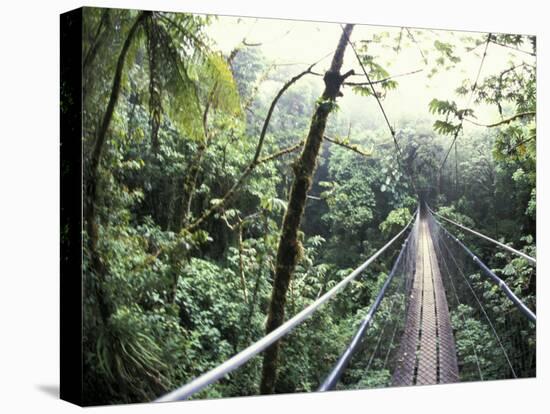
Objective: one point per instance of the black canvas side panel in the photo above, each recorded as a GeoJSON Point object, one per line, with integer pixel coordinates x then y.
{"type": "Point", "coordinates": [71, 207]}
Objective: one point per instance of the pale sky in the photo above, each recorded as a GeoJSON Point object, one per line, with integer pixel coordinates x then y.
{"type": "Point", "coordinates": [287, 41]}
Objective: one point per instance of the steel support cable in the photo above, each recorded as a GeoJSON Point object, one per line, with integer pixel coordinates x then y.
{"type": "Point", "coordinates": [252, 350]}
{"type": "Point", "coordinates": [332, 379]}
{"type": "Point", "coordinates": [482, 309]}
{"type": "Point", "coordinates": [501, 284]}
{"type": "Point", "coordinates": [474, 87]}
{"type": "Point", "coordinates": [379, 340]}
{"type": "Point", "coordinates": [392, 132]}
{"type": "Point", "coordinates": [386, 358]}
{"type": "Point", "coordinates": [440, 254]}
{"type": "Point", "coordinates": [446, 345]}
{"type": "Point", "coordinates": [504, 246]}
{"type": "Point", "coordinates": [393, 301]}
{"type": "Point", "coordinates": [403, 287]}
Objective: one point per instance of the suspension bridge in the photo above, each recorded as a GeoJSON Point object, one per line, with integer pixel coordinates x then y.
{"type": "Point", "coordinates": [433, 276]}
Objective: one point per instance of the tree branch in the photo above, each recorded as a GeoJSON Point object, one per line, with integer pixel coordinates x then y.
{"type": "Point", "coordinates": [351, 147]}
{"type": "Point", "coordinates": [525, 141]}
{"type": "Point", "coordinates": [115, 90]}
{"type": "Point", "coordinates": [255, 159]}
{"type": "Point", "coordinates": [281, 152]}
{"type": "Point", "coordinates": [382, 80]}
{"type": "Point", "coordinates": [272, 107]}
{"type": "Point", "coordinates": [504, 121]}
{"type": "Point", "coordinates": [247, 44]}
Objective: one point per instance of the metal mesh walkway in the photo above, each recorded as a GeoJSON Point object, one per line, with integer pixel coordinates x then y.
{"type": "Point", "coordinates": [427, 353]}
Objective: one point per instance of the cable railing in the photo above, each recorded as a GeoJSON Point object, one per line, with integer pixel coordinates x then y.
{"type": "Point", "coordinates": [489, 273]}
{"type": "Point", "coordinates": [401, 265]}
{"type": "Point", "coordinates": [495, 338]}
{"type": "Point", "coordinates": [248, 353]}
{"type": "Point", "coordinates": [476, 233]}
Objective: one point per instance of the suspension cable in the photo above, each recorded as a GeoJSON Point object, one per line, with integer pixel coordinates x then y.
{"type": "Point", "coordinates": [482, 309]}
{"type": "Point", "coordinates": [379, 340]}
{"type": "Point", "coordinates": [403, 302]}
{"type": "Point", "coordinates": [375, 350]}
{"type": "Point", "coordinates": [245, 355]}
{"type": "Point", "coordinates": [386, 358]}
{"type": "Point", "coordinates": [392, 131]}
{"type": "Point", "coordinates": [401, 287]}
{"type": "Point", "coordinates": [474, 87]}
{"type": "Point", "coordinates": [461, 314]}
{"type": "Point", "coordinates": [504, 246]}
{"type": "Point", "coordinates": [501, 284]}
{"type": "Point", "coordinates": [332, 378]}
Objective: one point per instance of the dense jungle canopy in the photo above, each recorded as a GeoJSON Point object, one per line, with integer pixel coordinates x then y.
{"type": "Point", "coordinates": [237, 169]}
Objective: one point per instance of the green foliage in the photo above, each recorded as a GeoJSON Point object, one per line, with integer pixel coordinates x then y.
{"type": "Point", "coordinates": [450, 110]}
{"type": "Point", "coordinates": [437, 106]}
{"type": "Point", "coordinates": [446, 51]}
{"type": "Point", "coordinates": [396, 220]}
{"type": "Point", "coordinates": [474, 344]}
{"type": "Point", "coordinates": [128, 356]}
{"type": "Point", "coordinates": [224, 95]}
{"type": "Point", "coordinates": [183, 299]}
{"type": "Point", "coordinates": [376, 73]}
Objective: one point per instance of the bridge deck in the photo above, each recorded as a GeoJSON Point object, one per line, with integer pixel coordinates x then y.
{"type": "Point", "coordinates": [427, 353]}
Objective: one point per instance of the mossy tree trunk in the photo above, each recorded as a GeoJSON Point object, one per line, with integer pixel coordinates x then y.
{"type": "Point", "coordinates": [304, 168]}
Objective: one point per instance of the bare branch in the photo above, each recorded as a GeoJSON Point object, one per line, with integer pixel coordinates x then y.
{"type": "Point", "coordinates": [229, 225]}
{"type": "Point", "coordinates": [525, 141]}
{"type": "Point", "coordinates": [256, 158]}
{"type": "Point", "coordinates": [352, 147]}
{"type": "Point", "coordinates": [245, 43]}
{"type": "Point", "coordinates": [373, 82]}
{"type": "Point", "coordinates": [272, 107]}
{"type": "Point", "coordinates": [282, 152]}
{"type": "Point", "coordinates": [383, 80]}
{"type": "Point", "coordinates": [504, 121]}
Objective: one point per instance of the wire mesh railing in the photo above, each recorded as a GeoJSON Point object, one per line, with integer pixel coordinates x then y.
{"type": "Point", "coordinates": [369, 360]}
{"type": "Point", "coordinates": [495, 332]}
{"type": "Point", "coordinates": [257, 347]}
